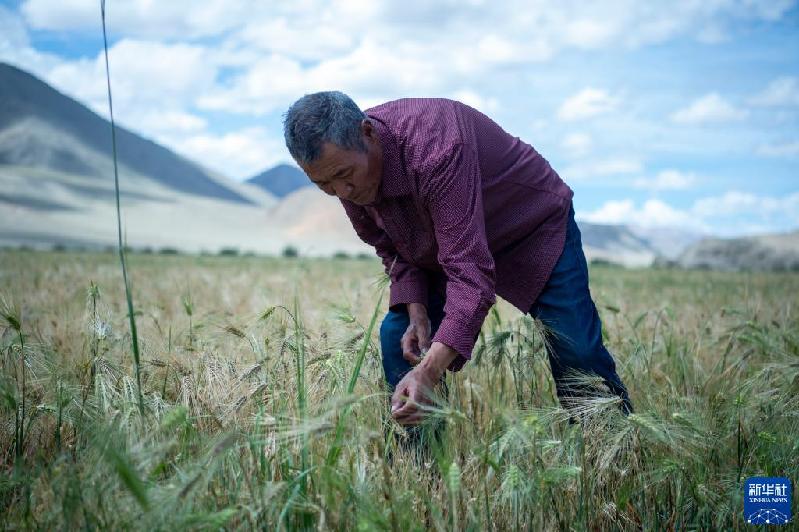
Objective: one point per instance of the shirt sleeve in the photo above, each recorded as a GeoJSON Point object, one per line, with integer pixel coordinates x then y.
{"type": "Point", "coordinates": [409, 284]}
{"type": "Point", "coordinates": [453, 193]}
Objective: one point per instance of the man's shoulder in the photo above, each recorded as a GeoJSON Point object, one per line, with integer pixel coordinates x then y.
{"type": "Point", "coordinates": [413, 106]}
{"type": "Point", "coordinates": [425, 128]}
{"type": "Point", "coordinates": [408, 115]}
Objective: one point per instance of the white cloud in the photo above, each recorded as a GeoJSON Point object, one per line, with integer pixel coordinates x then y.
{"type": "Point", "coordinates": [62, 15]}
{"type": "Point", "coordinates": [781, 92]}
{"type": "Point", "coordinates": [713, 34]}
{"type": "Point", "coordinates": [590, 33]}
{"type": "Point", "coordinates": [12, 28]}
{"type": "Point", "coordinates": [556, 24]}
{"type": "Point", "coordinates": [611, 212]}
{"type": "Point", "coordinates": [766, 9]}
{"type": "Point", "coordinates": [264, 86]}
{"type": "Point", "coordinates": [577, 144]}
{"type": "Point", "coordinates": [653, 213]}
{"type": "Point", "coordinates": [658, 213]}
{"type": "Point", "coordinates": [733, 212]}
{"type": "Point", "coordinates": [167, 121]}
{"type": "Point", "coordinates": [298, 38]}
{"type": "Point", "coordinates": [711, 108]}
{"type": "Point", "coordinates": [370, 70]}
{"type": "Point", "coordinates": [783, 149]}
{"type": "Point", "coordinates": [736, 212]}
{"type": "Point", "coordinates": [476, 100]}
{"type": "Point", "coordinates": [239, 154]}
{"type": "Point", "coordinates": [145, 75]}
{"type": "Point", "coordinates": [601, 168]}
{"type": "Point", "coordinates": [497, 49]}
{"type": "Point", "coordinates": [666, 180]}
{"type": "Point", "coordinates": [587, 103]}
{"type": "Point", "coordinates": [739, 203]}
{"type": "Point", "coordinates": [382, 43]}
{"type": "Point", "coordinates": [139, 18]}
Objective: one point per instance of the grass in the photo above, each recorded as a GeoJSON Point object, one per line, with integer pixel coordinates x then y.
{"type": "Point", "coordinates": [264, 405]}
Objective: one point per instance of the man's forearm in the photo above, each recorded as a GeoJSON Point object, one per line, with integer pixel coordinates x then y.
{"type": "Point", "coordinates": [440, 356]}
{"type": "Point", "coordinates": [417, 311]}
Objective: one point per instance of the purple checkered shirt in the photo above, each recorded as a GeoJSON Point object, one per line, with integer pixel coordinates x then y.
{"type": "Point", "coordinates": [464, 208]}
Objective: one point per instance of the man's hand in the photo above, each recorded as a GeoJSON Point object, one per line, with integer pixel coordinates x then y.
{"type": "Point", "coordinates": [415, 390]}
{"type": "Point", "coordinates": [417, 335]}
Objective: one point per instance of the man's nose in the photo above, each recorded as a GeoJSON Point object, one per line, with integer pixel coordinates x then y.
{"type": "Point", "coordinates": [344, 190]}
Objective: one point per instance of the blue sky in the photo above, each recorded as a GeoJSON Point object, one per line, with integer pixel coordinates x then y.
{"type": "Point", "coordinates": [679, 114]}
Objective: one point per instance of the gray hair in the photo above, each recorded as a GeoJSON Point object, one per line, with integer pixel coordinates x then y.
{"type": "Point", "coordinates": [322, 117]}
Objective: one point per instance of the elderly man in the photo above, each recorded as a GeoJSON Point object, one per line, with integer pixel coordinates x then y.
{"type": "Point", "coordinates": [459, 211]}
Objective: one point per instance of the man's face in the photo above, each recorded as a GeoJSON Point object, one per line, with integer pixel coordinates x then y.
{"type": "Point", "coordinates": [349, 174]}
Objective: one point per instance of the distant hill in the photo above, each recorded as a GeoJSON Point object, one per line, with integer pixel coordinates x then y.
{"type": "Point", "coordinates": [668, 242]}
{"type": "Point", "coordinates": [617, 244]}
{"type": "Point", "coordinates": [775, 252]}
{"type": "Point", "coordinates": [44, 129]}
{"type": "Point", "coordinates": [281, 180]}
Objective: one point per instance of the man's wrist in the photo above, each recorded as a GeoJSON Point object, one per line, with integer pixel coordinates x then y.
{"type": "Point", "coordinates": [417, 311]}
{"type": "Point", "coordinates": [438, 358]}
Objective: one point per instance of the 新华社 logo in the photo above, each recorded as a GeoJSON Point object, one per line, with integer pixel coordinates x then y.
{"type": "Point", "coordinates": [767, 500]}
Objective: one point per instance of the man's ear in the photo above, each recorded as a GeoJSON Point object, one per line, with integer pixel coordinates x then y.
{"type": "Point", "coordinates": [367, 128]}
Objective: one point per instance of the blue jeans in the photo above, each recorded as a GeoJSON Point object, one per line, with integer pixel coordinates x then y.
{"type": "Point", "coordinates": [566, 309]}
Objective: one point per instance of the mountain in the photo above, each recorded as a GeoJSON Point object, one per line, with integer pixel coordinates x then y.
{"type": "Point", "coordinates": [617, 244]}
{"type": "Point", "coordinates": [44, 129]}
{"type": "Point", "coordinates": [774, 252]}
{"type": "Point", "coordinates": [281, 180]}
{"type": "Point", "coordinates": [57, 183]}
{"type": "Point", "coordinates": [667, 242]}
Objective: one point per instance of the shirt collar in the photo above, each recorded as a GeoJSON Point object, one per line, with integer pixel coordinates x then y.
{"type": "Point", "coordinates": [395, 182]}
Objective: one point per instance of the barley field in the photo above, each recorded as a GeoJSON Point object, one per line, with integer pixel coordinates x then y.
{"type": "Point", "coordinates": [259, 402]}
